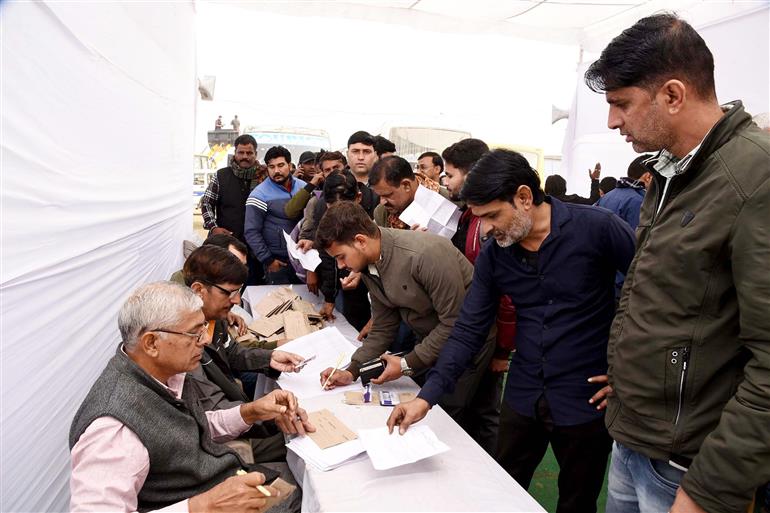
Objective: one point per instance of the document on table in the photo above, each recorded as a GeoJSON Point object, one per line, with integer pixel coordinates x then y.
{"type": "Point", "coordinates": [309, 260]}
{"type": "Point", "coordinates": [329, 430]}
{"type": "Point", "coordinates": [324, 459]}
{"type": "Point", "coordinates": [327, 345]}
{"type": "Point", "coordinates": [393, 450]}
{"type": "Point", "coordinates": [432, 211]}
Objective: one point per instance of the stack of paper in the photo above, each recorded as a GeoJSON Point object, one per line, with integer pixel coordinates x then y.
{"type": "Point", "coordinates": [278, 301]}
{"type": "Point", "coordinates": [432, 211]}
{"type": "Point", "coordinates": [393, 450]}
{"type": "Point", "coordinates": [326, 345]}
{"type": "Point", "coordinates": [309, 260]}
{"type": "Point", "coordinates": [325, 459]}
{"type": "Point", "coordinates": [331, 445]}
{"type": "Point", "coordinates": [283, 315]}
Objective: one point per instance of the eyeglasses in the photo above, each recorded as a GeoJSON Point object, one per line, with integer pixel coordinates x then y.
{"type": "Point", "coordinates": [230, 293]}
{"type": "Point", "coordinates": [198, 336]}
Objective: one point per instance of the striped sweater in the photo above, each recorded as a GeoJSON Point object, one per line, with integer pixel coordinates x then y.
{"type": "Point", "coordinates": [266, 220]}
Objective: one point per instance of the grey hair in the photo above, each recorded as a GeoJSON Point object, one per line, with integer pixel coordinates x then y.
{"type": "Point", "coordinates": [762, 120]}
{"type": "Point", "coordinates": [152, 306]}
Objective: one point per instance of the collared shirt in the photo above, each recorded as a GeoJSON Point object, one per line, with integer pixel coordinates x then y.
{"type": "Point", "coordinates": [564, 308]}
{"type": "Point", "coordinates": [668, 165]}
{"type": "Point", "coordinates": [110, 463]}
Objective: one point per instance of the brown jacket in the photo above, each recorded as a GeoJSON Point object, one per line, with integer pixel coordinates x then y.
{"type": "Point", "coordinates": [422, 280]}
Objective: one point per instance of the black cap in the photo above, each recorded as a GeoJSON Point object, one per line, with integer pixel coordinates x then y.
{"type": "Point", "coordinates": [306, 156]}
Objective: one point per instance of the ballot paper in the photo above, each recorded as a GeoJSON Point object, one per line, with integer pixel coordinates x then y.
{"type": "Point", "coordinates": [393, 450]}
{"type": "Point", "coordinates": [327, 345]}
{"type": "Point", "coordinates": [324, 459]}
{"type": "Point", "coordinates": [432, 211]}
{"type": "Point", "coordinates": [329, 430]}
{"type": "Point", "coordinates": [309, 260]}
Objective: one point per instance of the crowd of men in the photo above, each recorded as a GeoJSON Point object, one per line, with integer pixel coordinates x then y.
{"type": "Point", "coordinates": [633, 323]}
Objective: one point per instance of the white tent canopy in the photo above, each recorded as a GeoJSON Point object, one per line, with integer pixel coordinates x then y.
{"type": "Point", "coordinates": [98, 130]}
{"type": "Point", "coordinates": [589, 24]}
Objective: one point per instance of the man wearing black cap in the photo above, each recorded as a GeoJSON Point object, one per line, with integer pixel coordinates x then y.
{"type": "Point", "coordinates": [306, 168]}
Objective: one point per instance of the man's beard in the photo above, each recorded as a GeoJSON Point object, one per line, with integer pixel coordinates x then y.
{"type": "Point", "coordinates": [516, 232]}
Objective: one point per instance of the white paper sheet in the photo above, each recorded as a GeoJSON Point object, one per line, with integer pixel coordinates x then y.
{"type": "Point", "coordinates": [325, 459]}
{"type": "Point", "coordinates": [432, 211]}
{"type": "Point", "coordinates": [327, 345]}
{"type": "Point", "coordinates": [309, 260]}
{"type": "Point", "coordinates": [393, 450]}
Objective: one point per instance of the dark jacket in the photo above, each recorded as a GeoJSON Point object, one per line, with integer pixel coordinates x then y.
{"type": "Point", "coordinates": [214, 380]}
{"type": "Point", "coordinates": [232, 357]}
{"type": "Point", "coordinates": [369, 199]}
{"type": "Point", "coordinates": [355, 304]}
{"type": "Point", "coordinates": [689, 351]}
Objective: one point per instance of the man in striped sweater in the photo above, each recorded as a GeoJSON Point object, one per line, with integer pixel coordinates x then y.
{"type": "Point", "coordinates": [266, 220]}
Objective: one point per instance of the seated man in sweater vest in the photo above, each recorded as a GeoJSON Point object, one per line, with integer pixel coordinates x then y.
{"type": "Point", "coordinates": [140, 440]}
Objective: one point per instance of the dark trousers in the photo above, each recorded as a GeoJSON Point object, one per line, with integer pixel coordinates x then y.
{"type": "Point", "coordinates": [475, 400]}
{"type": "Point", "coordinates": [256, 271]}
{"type": "Point", "coordinates": [481, 418]}
{"type": "Point", "coordinates": [580, 450]}
{"type": "Point", "coordinates": [284, 276]}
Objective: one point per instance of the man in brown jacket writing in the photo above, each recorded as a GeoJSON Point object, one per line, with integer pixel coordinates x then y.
{"type": "Point", "coordinates": [414, 277]}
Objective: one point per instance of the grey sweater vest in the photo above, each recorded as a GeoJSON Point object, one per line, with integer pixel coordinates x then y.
{"type": "Point", "coordinates": [184, 461]}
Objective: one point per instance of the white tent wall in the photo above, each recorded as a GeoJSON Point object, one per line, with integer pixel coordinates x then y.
{"type": "Point", "coordinates": [98, 105]}
{"type": "Point", "coordinates": [741, 48]}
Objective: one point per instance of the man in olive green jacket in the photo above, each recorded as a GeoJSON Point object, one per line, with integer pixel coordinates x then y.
{"type": "Point", "coordinates": [689, 350]}
{"type": "Point", "coordinates": [417, 277]}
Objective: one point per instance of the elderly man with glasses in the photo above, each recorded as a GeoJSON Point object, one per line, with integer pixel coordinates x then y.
{"type": "Point", "coordinates": [141, 441]}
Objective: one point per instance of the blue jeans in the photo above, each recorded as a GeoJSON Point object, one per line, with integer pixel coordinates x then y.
{"type": "Point", "coordinates": [638, 484]}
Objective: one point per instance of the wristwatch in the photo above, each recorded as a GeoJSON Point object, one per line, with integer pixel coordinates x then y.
{"type": "Point", "coordinates": [405, 369]}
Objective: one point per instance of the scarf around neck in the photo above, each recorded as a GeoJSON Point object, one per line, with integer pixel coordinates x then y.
{"type": "Point", "coordinates": [253, 174]}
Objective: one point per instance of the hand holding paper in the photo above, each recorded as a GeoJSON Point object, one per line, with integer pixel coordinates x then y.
{"type": "Point", "coordinates": [309, 260]}
{"type": "Point", "coordinates": [388, 450]}
{"type": "Point", "coordinates": [406, 414]}
{"type": "Point", "coordinates": [431, 211]}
